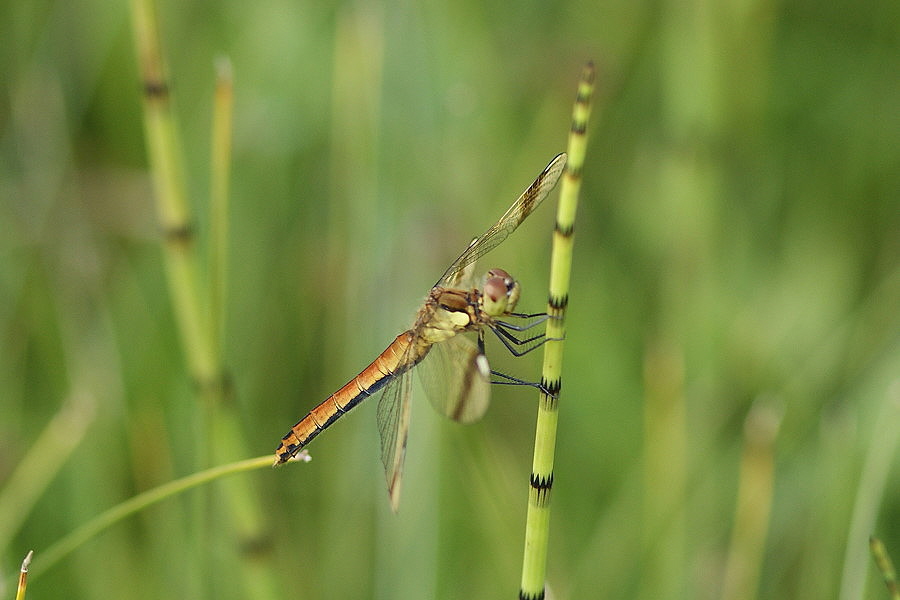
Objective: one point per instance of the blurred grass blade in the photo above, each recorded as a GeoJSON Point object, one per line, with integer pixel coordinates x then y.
{"type": "Point", "coordinates": [172, 207]}
{"type": "Point", "coordinates": [665, 479]}
{"type": "Point", "coordinates": [43, 461]}
{"type": "Point", "coordinates": [754, 502]}
{"type": "Point", "coordinates": [220, 176]}
{"type": "Point", "coordinates": [885, 566]}
{"type": "Point", "coordinates": [874, 478]}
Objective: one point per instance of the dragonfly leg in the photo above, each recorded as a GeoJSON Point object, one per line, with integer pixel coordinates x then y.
{"type": "Point", "coordinates": [539, 318]}
{"type": "Point", "coordinates": [533, 315]}
{"type": "Point", "coordinates": [509, 380]}
{"type": "Point", "coordinates": [510, 341]}
{"type": "Point", "coordinates": [515, 327]}
{"type": "Point", "coordinates": [501, 329]}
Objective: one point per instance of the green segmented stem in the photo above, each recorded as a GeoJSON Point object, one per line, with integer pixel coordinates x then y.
{"type": "Point", "coordinates": [541, 484]}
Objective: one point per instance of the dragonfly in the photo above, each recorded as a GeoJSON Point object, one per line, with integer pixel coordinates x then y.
{"type": "Point", "coordinates": [457, 375]}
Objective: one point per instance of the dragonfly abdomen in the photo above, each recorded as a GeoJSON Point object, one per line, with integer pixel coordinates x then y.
{"type": "Point", "coordinates": [393, 361]}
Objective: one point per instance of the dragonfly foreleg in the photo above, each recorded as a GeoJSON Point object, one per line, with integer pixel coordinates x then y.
{"type": "Point", "coordinates": [538, 319]}
{"type": "Point", "coordinates": [533, 315]}
{"type": "Point", "coordinates": [510, 380]}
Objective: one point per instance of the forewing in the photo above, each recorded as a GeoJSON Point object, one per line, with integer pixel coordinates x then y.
{"type": "Point", "coordinates": [463, 278]}
{"type": "Point", "coordinates": [530, 199]}
{"type": "Point", "coordinates": [457, 379]}
{"type": "Point", "coordinates": [392, 416]}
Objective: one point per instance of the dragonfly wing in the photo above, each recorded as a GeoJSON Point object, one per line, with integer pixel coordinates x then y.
{"type": "Point", "coordinates": [393, 427]}
{"type": "Point", "coordinates": [461, 278]}
{"type": "Point", "coordinates": [457, 379]}
{"type": "Point", "coordinates": [530, 199]}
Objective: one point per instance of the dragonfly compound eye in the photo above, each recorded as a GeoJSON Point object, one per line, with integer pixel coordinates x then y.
{"type": "Point", "coordinates": [500, 292]}
{"type": "Point", "coordinates": [495, 290]}
{"type": "Point", "coordinates": [510, 287]}
{"type": "Point", "coordinates": [508, 281]}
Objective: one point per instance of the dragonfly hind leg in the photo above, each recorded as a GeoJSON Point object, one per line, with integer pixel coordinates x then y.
{"type": "Point", "coordinates": [510, 380]}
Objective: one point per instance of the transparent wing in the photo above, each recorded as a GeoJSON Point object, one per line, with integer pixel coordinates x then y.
{"type": "Point", "coordinates": [457, 379]}
{"type": "Point", "coordinates": [530, 199]}
{"type": "Point", "coordinates": [392, 416]}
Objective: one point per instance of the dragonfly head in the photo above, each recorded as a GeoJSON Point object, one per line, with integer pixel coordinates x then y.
{"type": "Point", "coordinates": [499, 293]}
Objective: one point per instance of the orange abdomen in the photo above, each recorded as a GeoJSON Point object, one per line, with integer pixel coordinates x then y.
{"type": "Point", "coordinates": [391, 363]}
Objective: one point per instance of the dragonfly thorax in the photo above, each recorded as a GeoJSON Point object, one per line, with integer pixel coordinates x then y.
{"type": "Point", "coordinates": [500, 293]}
{"type": "Point", "coordinates": [448, 312]}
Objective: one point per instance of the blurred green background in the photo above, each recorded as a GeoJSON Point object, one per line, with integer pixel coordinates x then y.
{"type": "Point", "coordinates": [735, 294]}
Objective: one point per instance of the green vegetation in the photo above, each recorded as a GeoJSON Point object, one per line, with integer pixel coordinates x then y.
{"type": "Point", "coordinates": [729, 421]}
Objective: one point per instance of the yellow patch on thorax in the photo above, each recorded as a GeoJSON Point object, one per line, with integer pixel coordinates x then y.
{"type": "Point", "coordinates": [444, 324]}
